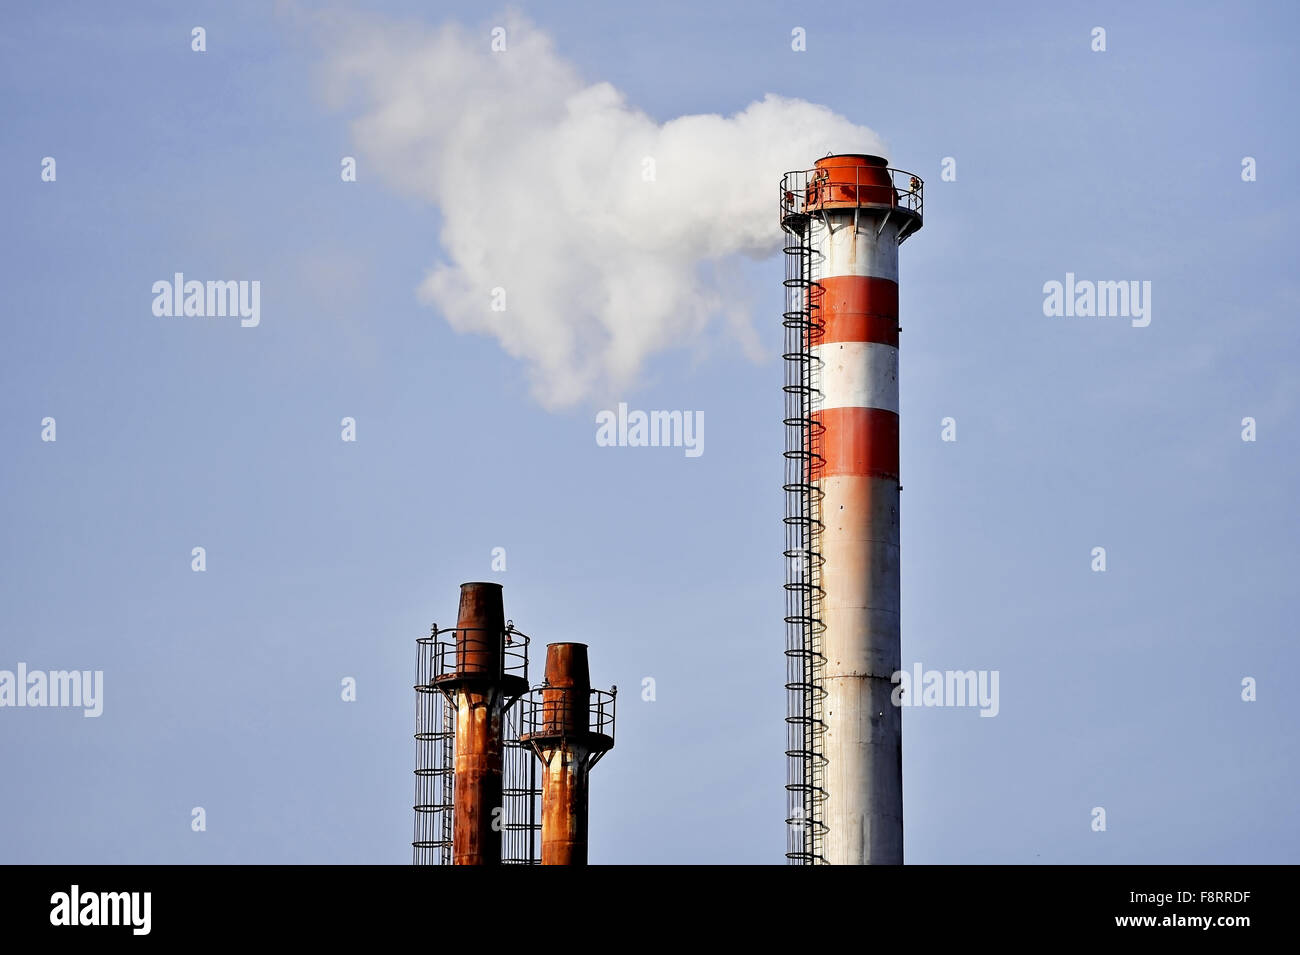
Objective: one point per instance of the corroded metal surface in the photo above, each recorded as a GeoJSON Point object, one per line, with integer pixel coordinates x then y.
{"type": "Point", "coordinates": [569, 734]}
{"type": "Point", "coordinates": [480, 703]}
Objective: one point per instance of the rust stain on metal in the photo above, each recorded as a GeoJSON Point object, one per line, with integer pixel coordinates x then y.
{"type": "Point", "coordinates": [567, 689]}
{"type": "Point", "coordinates": [480, 698]}
{"type": "Point", "coordinates": [567, 745]}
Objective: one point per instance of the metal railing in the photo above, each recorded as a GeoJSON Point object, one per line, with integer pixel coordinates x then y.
{"type": "Point", "coordinates": [565, 711]}
{"type": "Point", "coordinates": [471, 649]}
{"type": "Point", "coordinates": [804, 191]}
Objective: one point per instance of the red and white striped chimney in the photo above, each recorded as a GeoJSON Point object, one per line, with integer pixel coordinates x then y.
{"type": "Point", "coordinates": [857, 220]}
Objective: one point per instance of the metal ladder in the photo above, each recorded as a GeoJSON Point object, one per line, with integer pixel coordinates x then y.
{"type": "Point", "coordinates": [805, 692]}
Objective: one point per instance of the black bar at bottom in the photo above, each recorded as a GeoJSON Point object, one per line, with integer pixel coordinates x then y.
{"type": "Point", "coordinates": [914, 905]}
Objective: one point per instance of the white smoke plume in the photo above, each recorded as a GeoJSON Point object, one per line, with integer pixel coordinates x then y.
{"type": "Point", "coordinates": [540, 178]}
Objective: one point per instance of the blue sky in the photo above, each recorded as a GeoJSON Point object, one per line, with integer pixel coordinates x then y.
{"type": "Point", "coordinates": [327, 559]}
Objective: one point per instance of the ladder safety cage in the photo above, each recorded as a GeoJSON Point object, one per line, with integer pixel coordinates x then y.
{"type": "Point", "coordinates": [440, 655]}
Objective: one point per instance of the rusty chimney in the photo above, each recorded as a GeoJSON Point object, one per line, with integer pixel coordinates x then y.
{"type": "Point", "coordinates": [481, 688]}
{"type": "Point", "coordinates": [570, 727]}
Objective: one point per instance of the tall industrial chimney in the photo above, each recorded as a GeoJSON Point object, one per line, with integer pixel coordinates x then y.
{"type": "Point", "coordinates": [570, 727]}
{"type": "Point", "coordinates": [844, 220]}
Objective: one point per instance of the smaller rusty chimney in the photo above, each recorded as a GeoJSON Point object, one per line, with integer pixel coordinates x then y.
{"type": "Point", "coordinates": [570, 727]}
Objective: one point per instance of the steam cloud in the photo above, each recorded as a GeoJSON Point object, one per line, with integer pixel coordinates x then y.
{"type": "Point", "coordinates": [539, 177]}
